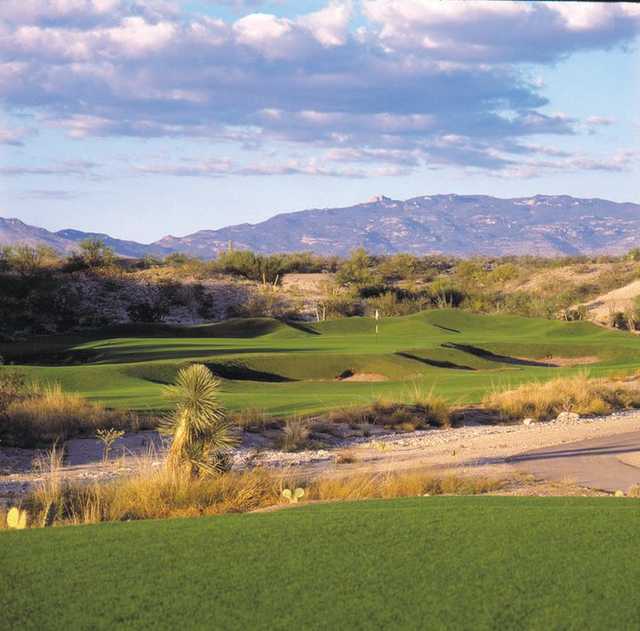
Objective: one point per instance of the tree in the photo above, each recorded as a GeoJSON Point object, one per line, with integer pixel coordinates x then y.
{"type": "Point", "coordinates": [356, 270]}
{"type": "Point", "coordinates": [27, 260]}
{"type": "Point", "coordinates": [634, 254]}
{"type": "Point", "coordinates": [94, 253]}
{"type": "Point", "coordinates": [201, 432]}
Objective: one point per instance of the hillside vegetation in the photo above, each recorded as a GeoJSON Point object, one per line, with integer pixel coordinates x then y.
{"type": "Point", "coordinates": [43, 293]}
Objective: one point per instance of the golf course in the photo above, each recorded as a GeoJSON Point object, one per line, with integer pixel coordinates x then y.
{"type": "Point", "coordinates": [286, 368]}
{"type": "Point", "coordinates": [436, 562]}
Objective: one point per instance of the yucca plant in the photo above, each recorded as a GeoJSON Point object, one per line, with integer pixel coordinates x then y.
{"type": "Point", "coordinates": [201, 433]}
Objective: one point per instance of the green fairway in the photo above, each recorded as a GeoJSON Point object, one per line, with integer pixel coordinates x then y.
{"type": "Point", "coordinates": [291, 368]}
{"type": "Point", "coordinates": [425, 563]}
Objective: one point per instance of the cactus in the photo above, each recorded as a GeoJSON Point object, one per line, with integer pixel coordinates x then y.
{"type": "Point", "coordinates": [49, 515]}
{"type": "Point", "coordinates": [293, 496]}
{"type": "Point", "coordinates": [17, 518]}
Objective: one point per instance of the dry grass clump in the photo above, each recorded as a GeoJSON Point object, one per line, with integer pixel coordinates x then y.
{"type": "Point", "coordinates": [419, 411]}
{"type": "Point", "coordinates": [634, 491]}
{"type": "Point", "coordinates": [159, 492]}
{"type": "Point", "coordinates": [346, 456]}
{"type": "Point", "coordinates": [46, 414]}
{"type": "Point", "coordinates": [295, 434]}
{"type": "Point", "coordinates": [579, 394]}
{"type": "Point", "coordinates": [396, 484]}
{"type": "Point", "coordinates": [253, 420]}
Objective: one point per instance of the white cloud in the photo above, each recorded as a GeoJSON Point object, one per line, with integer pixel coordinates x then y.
{"type": "Point", "coordinates": [330, 26]}
{"type": "Point", "coordinates": [417, 82]}
{"type": "Point", "coordinates": [501, 30]}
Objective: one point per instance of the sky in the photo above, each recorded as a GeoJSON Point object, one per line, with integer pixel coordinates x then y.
{"type": "Point", "coordinates": [141, 118]}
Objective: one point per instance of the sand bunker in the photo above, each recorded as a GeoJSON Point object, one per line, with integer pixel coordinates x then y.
{"type": "Point", "coordinates": [362, 376]}
{"type": "Point", "coordinates": [561, 362]}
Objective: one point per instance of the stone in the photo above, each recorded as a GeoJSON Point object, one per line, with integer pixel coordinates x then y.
{"type": "Point", "coordinates": [528, 421]}
{"type": "Point", "coordinates": [567, 417]}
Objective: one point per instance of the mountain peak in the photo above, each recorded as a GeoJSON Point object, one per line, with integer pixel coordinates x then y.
{"type": "Point", "coordinates": [377, 199]}
{"type": "Point", "coordinates": [461, 225]}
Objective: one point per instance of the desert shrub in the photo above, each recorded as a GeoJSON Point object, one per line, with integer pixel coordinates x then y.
{"type": "Point", "coordinates": [633, 254]}
{"type": "Point", "coordinates": [618, 320]}
{"type": "Point", "coordinates": [420, 409]}
{"type": "Point", "coordinates": [579, 394]}
{"type": "Point", "coordinates": [92, 254]}
{"type": "Point", "coordinates": [634, 491]}
{"type": "Point", "coordinates": [372, 291]}
{"type": "Point", "coordinates": [503, 273]}
{"type": "Point", "coordinates": [46, 414]}
{"type": "Point", "coordinates": [358, 270]}
{"type": "Point", "coordinates": [397, 303]}
{"type": "Point", "coordinates": [403, 267]}
{"type": "Point", "coordinates": [575, 315]}
{"type": "Point", "coordinates": [442, 293]}
{"type": "Point", "coordinates": [295, 434]}
{"type": "Point", "coordinates": [13, 388]}
{"type": "Point", "coordinates": [340, 305]}
{"type": "Point", "coordinates": [28, 261]}
{"type": "Point", "coordinates": [148, 311]}
{"type": "Point", "coordinates": [201, 434]}
{"type": "Point", "coordinates": [253, 419]}
{"type": "Point", "coordinates": [346, 456]}
{"type": "Point", "coordinates": [263, 302]}
{"type": "Point", "coordinates": [159, 493]}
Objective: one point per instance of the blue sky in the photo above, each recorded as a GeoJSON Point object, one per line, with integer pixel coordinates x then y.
{"type": "Point", "coordinates": [142, 118]}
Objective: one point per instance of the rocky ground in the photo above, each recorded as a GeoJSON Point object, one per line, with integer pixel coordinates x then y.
{"type": "Point", "coordinates": [473, 449]}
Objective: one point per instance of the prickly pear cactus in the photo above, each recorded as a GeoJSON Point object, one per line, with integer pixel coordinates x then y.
{"type": "Point", "coordinates": [49, 515]}
{"type": "Point", "coordinates": [17, 518]}
{"type": "Point", "coordinates": [293, 496]}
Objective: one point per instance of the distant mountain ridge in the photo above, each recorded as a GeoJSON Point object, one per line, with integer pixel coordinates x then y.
{"type": "Point", "coordinates": [460, 225]}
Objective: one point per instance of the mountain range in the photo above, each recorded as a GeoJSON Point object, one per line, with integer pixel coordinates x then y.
{"type": "Point", "coordinates": [461, 225]}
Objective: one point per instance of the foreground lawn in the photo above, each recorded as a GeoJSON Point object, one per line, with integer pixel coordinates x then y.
{"type": "Point", "coordinates": [426, 563]}
{"type": "Point", "coordinates": [292, 368]}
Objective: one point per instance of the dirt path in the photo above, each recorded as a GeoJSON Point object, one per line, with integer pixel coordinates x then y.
{"type": "Point", "coordinates": [495, 451]}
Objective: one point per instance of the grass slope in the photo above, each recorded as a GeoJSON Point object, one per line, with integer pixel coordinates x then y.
{"type": "Point", "coordinates": [293, 368]}
{"type": "Point", "coordinates": [425, 563]}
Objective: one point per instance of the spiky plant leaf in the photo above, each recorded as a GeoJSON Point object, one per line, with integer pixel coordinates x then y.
{"type": "Point", "coordinates": [200, 431]}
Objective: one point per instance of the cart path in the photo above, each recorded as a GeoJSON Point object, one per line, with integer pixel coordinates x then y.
{"type": "Point", "coordinates": [607, 463]}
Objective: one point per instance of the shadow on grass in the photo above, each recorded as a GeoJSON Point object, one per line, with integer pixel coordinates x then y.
{"type": "Point", "coordinates": [437, 363]}
{"type": "Point", "coordinates": [239, 372]}
{"type": "Point", "coordinates": [501, 359]}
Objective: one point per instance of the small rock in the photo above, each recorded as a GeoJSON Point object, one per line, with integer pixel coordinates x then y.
{"type": "Point", "coordinates": [567, 417]}
{"type": "Point", "coordinates": [528, 421]}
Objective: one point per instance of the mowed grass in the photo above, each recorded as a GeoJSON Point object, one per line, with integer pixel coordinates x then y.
{"type": "Point", "coordinates": [424, 563]}
{"type": "Point", "coordinates": [287, 369]}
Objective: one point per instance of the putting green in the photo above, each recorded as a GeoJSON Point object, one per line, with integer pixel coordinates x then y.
{"type": "Point", "coordinates": [291, 368]}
